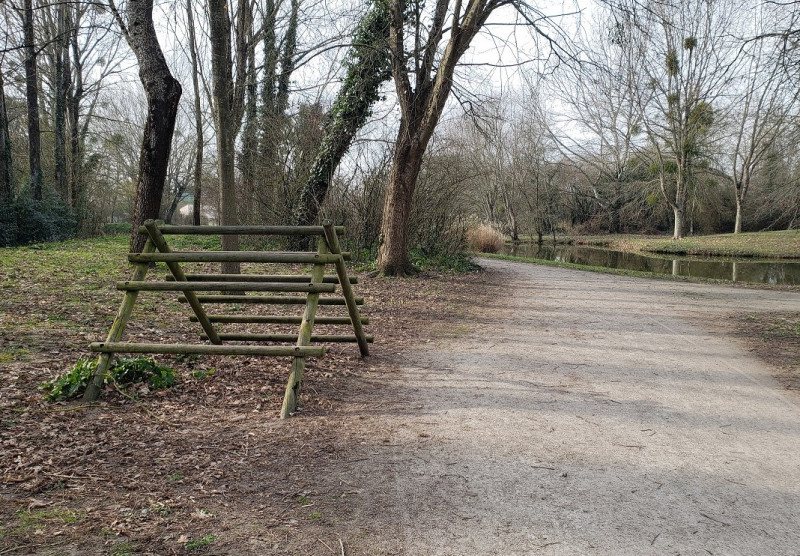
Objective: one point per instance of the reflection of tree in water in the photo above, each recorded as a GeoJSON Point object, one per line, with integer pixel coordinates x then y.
{"type": "Point", "coordinates": [756, 272]}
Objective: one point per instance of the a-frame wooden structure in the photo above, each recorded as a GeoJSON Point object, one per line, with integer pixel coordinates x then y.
{"type": "Point", "coordinates": [282, 289]}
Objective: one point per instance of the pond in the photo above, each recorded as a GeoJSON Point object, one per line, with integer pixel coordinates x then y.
{"type": "Point", "coordinates": [754, 271]}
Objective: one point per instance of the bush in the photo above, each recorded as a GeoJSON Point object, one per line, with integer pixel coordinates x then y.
{"type": "Point", "coordinates": [123, 372]}
{"type": "Point", "coordinates": [117, 228]}
{"type": "Point", "coordinates": [29, 221]}
{"type": "Point", "coordinates": [485, 239]}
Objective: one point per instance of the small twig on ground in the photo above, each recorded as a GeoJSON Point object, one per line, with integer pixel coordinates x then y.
{"type": "Point", "coordinates": [717, 520]}
{"type": "Point", "coordinates": [74, 408]}
{"type": "Point", "coordinates": [141, 406]}
{"type": "Point", "coordinates": [326, 545]}
{"type": "Point", "coordinates": [341, 545]}
{"type": "Point", "coordinates": [654, 539]}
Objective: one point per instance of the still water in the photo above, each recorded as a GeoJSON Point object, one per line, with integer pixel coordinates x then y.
{"type": "Point", "coordinates": [755, 271]}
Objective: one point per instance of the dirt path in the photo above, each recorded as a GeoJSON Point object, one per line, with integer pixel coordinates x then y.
{"type": "Point", "coordinates": [584, 414]}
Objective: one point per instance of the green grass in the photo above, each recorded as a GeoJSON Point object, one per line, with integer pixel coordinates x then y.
{"type": "Point", "coordinates": [202, 542]}
{"type": "Point", "coordinates": [783, 244]}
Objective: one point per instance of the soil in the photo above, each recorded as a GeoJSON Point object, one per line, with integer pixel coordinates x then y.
{"type": "Point", "coordinates": [524, 409]}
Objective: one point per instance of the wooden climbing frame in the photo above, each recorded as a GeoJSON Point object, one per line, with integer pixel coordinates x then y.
{"type": "Point", "coordinates": [241, 289]}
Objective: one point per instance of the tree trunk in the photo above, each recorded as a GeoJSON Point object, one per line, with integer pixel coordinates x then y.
{"type": "Point", "coordinates": [393, 258]}
{"type": "Point", "coordinates": [62, 79]}
{"type": "Point", "coordinates": [225, 122]}
{"type": "Point", "coordinates": [6, 174]}
{"type": "Point", "coordinates": [74, 66]}
{"type": "Point", "coordinates": [173, 206]}
{"type": "Point", "coordinates": [737, 227]}
{"type": "Point", "coordinates": [679, 217]}
{"type": "Point", "coordinates": [198, 120]}
{"type": "Point", "coordinates": [32, 95]}
{"type": "Point", "coordinates": [163, 94]}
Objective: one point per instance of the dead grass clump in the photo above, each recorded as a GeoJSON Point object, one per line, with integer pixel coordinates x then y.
{"type": "Point", "coordinates": [485, 239]}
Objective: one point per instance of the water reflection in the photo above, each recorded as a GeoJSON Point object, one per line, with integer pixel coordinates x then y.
{"type": "Point", "coordinates": [755, 271]}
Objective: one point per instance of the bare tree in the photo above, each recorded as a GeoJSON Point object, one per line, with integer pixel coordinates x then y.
{"type": "Point", "coordinates": [688, 67]}
{"type": "Point", "coordinates": [198, 119]}
{"type": "Point", "coordinates": [228, 97]}
{"type": "Point", "coordinates": [163, 94]}
{"type": "Point", "coordinates": [761, 117]}
{"type": "Point", "coordinates": [602, 95]}
{"type": "Point", "coordinates": [425, 52]}
{"type": "Point", "coordinates": [423, 76]}
{"type": "Point", "coordinates": [32, 96]}
{"type": "Point", "coordinates": [6, 169]}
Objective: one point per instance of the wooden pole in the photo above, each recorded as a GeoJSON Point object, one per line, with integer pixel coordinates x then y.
{"type": "Point", "coordinates": [247, 230]}
{"type": "Point", "coordinates": [231, 257]}
{"type": "Point", "coordinates": [117, 328]}
{"type": "Point", "coordinates": [347, 290]}
{"type": "Point", "coordinates": [249, 337]}
{"type": "Point", "coordinates": [205, 349]}
{"type": "Point", "coordinates": [269, 299]}
{"type": "Point", "coordinates": [177, 272]}
{"type": "Point", "coordinates": [276, 319]}
{"type": "Point", "coordinates": [304, 337]}
{"type": "Point", "coordinates": [198, 286]}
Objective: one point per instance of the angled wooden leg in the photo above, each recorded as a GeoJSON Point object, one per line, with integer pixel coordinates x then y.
{"type": "Point", "coordinates": [118, 328]}
{"type": "Point", "coordinates": [304, 337]}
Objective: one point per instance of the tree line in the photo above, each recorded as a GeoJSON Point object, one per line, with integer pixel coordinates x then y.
{"type": "Point", "coordinates": [628, 117]}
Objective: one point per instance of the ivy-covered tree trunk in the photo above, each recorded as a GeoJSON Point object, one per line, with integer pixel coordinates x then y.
{"type": "Point", "coordinates": [163, 93]}
{"type": "Point", "coordinates": [368, 66]}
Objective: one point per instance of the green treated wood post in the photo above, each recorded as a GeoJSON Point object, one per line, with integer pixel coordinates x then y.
{"type": "Point", "coordinates": [118, 328]}
{"type": "Point", "coordinates": [177, 272]}
{"type": "Point", "coordinates": [347, 290]}
{"type": "Point", "coordinates": [304, 337]}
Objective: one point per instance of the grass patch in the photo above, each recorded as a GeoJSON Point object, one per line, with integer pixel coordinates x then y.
{"type": "Point", "coordinates": [41, 518]}
{"type": "Point", "coordinates": [202, 542]}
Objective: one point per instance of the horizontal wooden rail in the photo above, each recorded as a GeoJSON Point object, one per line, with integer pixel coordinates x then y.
{"type": "Point", "coordinates": [224, 286]}
{"type": "Point", "coordinates": [244, 337]}
{"type": "Point", "coordinates": [276, 319]}
{"type": "Point", "coordinates": [268, 299]}
{"type": "Point", "coordinates": [243, 230]}
{"type": "Point", "coordinates": [232, 257]}
{"type": "Point", "coordinates": [259, 278]}
{"type": "Point", "coordinates": [125, 347]}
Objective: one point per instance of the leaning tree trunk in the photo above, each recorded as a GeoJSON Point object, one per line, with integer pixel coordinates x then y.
{"type": "Point", "coordinates": [163, 93]}
{"type": "Point", "coordinates": [368, 66]}
{"type": "Point", "coordinates": [32, 95]}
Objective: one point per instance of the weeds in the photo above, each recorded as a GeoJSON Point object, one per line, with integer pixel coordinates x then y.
{"type": "Point", "coordinates": [123, 372]}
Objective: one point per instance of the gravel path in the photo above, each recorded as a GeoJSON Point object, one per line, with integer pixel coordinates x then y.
{"type": "Point", "coordinates": [585, 413]}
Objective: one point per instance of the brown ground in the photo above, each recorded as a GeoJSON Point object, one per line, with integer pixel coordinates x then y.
{"type": "Point", "coordinates": [207, 467]}
{"type": "Point", "coordinates": [160, 474]}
